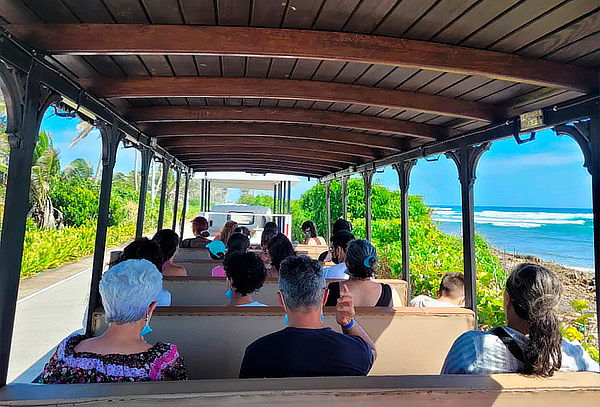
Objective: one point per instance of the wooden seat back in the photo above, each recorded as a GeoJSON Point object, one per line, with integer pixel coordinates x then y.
{"type": "Point", "coordinates": [211, 290]}
{"type": "Point", "coordinates": [312, 251]}
{"type": "Point", "coordinates": [191, 254]}
{"type": "Point", "coordinates": [212, 340]}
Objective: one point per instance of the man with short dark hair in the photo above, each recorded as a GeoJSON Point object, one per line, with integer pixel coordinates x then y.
{"type": "Point", "coordinates": [339, 242]}
{"type": "Point", "coordinates": [450, 294]}
{"type": "Point", "coordinates": [306, 348]}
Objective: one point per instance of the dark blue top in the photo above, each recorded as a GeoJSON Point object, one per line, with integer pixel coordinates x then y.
{"type": "Point", "coordinates": [300, 352]}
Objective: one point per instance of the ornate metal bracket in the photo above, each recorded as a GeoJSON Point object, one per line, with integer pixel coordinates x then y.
{"type": "Point", "coordinates": [111, 137]}
{"type": "Point", "coordinates": [581, 133]}
{"type": "Point", "coordinates": [404, 169]}
{"type": "Point", "coordinates": [466, 160]}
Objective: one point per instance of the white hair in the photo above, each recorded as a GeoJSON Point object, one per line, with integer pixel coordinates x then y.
{"type": "Point", "coordinates": [128, 289]}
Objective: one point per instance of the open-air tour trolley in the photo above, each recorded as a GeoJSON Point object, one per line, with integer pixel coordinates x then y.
{"type": "Point", "coordinates": [315, 88]}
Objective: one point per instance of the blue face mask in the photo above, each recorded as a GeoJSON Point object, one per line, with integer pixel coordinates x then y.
{"type": "Point", "coordinates": [322, 318]}
{"type": "Point", "coordinates": [229, 294]}
{"type": "Point", "coordinates": [286, 320]}
{"type": "Point", "coordinates": [146, 330]}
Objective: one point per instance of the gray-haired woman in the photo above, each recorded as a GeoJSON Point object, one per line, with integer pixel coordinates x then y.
{"type": "Point", "coordinates": [129, 293]}
{"type": "Point", "coordinates": [361, 261]}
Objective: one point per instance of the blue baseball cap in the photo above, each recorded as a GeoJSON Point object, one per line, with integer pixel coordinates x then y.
{"type": "Point", "coordinates": [216, 249]}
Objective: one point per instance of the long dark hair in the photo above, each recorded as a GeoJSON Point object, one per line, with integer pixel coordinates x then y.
{"type": "Point", "coordinates": [279, 249]}
{"type": "Point", "coordinates": [361, 258]}
{"type": "Point", "coordinates": [168, 241]}
{"type": "Point", "coordinates": [309, 228]}
{"type": "Point", "coordinates": [534, 293]}
{"type": "Point", "coordinates": [141, 248]}
{"type": "Point", "coordinates": [269, 232]}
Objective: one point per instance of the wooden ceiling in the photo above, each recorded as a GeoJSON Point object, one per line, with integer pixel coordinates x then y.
{"type": "Point", "coordinates": [310, 87]}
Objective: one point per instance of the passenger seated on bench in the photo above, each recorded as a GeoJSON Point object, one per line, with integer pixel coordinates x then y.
{"type": "Point", "coordinates": [144, 248]}
{"type": "Point", "coordinates": [450, 294]}
{"type": "Point", "coordinates": [243, 230]}
{"type": "Point", "coordinates": [361, 261]}
{"type": "Point", "coordinates": [279, 248]}
{"type": "Point", "coordinates": [169, 242]}
{"type": "Point", "coordinates": [246, 274]}
{"type": "Point", "coordinates": [269, 232]}
{"type": "Point", "coordinates": [531, 343]}
{"type": "Point", "coordinates": [338, 226]}
{"type": "Point", "coordinates": [339, 243]}
{"type": "Point", "coordinates": [201, 233]}
{"type": "Point", "coordinates": [129, 293]}
{"type": "Point", "coordinates": [307, 348]}
{"type": "Point", "coordinates": [226, 231]}
{"type": "Point", "coordinates": [341, 224]}
{"type": "Point", "coordinates": [310, 234]}
{"type": "Point", "coordinates": [237, 243]}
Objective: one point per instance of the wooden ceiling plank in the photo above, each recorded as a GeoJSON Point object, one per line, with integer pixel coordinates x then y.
{"type": "Point", "coordinates": [201, 12]}
{"type": "Point", "coordinates": [162, 130]}
{"type": "Point", "coordinates": [561, 16]}
{"type": "Point", "coordinates": [563, 37]}
{"type": "Point", "coordinates": [16, 12]}
{"type": "Point", "coordinates": [233, 12]}
{"type": "Point", "coordinates": [127, 11]}
{"type": "Point", "coordinates": [334, 14]}
{"type": "Point", "coordinates": [298, 173]}
{"type": "Point", "coordinates": [301, 13]}
{"type": "Point", "coordinates": [472, 20]}
{"type": "Point", "coordinates": [163, 11]}
{"type": "Point", "coordinates": [266, 142]}
{"type": "Point", "coordinates": [437, 18]}
{"type": "Point", "coordinates": [265, 15]}
{"type": "Point", "coordinates": [284, 115]}
{"type": "Point", "coordinates": [332, 46]}
{"type": "Point", "coordinates": [287, 89]}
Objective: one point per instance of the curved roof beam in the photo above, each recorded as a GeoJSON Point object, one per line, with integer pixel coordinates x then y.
{"type": "Point", "coordinates": [90, 39]}
{"type": "Point", "coordinates": [251, 151]}
{"type": "Point", "coordinates": [285, 115]}
{"type": "Point", "coordinates": [255, 170]}
{"type": "Point", "coordinates": [165, 131]}
{"type": "Point", "coordinates": [291, 156]}
{"type": "Point", "coordinates": [265, 142]}
{"type": "Point", "coordinates": [161, 87]}
{"type": "Point", "coordinates": [223, 159]}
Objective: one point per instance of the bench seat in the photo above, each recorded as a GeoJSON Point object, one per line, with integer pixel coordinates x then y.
{"type": "Point", "coordinates": [212, 340]}
{"type": "Point", "coordinates": [211, 290]}
{"type": "Point", "coordinates": [579, 389]}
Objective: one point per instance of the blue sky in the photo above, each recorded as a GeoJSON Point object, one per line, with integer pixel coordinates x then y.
{"type": "Point", "coordinates": [547, 172]}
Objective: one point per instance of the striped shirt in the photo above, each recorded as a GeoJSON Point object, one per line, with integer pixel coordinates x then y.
{"type": "Point", "coordinates": [481, 352]}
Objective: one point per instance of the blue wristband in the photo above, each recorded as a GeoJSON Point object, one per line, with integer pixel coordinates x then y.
{"type": "Point", "coordinates": [350, 324]}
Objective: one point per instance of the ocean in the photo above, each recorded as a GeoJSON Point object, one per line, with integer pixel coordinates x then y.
{"type": "Point", "coordinates": [562, 235]}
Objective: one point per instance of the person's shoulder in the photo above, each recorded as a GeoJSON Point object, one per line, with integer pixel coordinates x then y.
{"type": "Point", "coordinates": [267, 340]}
{"type": "Point", "coordinates": [166, 351]}
{"type": "Point", "coordinates": [420, 301]}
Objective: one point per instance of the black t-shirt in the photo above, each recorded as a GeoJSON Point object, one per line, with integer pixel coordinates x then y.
{"type": "Point", "coordinates": [299, 352]}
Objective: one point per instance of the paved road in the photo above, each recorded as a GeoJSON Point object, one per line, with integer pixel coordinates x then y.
{"type": "Point", "coordinates": [49, 308]}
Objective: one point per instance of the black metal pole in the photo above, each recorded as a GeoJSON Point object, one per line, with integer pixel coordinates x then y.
{"type": "Point", "coordinates": [280, 200]}
{"type": "Point", "coordinates": [328, 210]}
{"type": "Point", "coordinates": [344, 182]}
{"type": "Point", "coordinates": [595, 170]}
{"type": "Point", "coordinates": [111, 137]}
{"type": "Point", "coordinates": [403, 169]}
{"type": "Point", "coordinates": [163, 193]}
{"type": "Point", "coordinates": [208, 194]}
{"type": "Point", "coordinates": [289, 197]}
{"type": "Point", "coordinates": [368, 180]}
{"type": "Point", "coordinates": [147, 155]}
{"type": "Point", "coordinates": [202, 194]}
{"type": "Point", "coordinates": [587, 135]}
{"type": "Point", "coordinates": [176, 203]}
{"type": "Point", "coordinates": [466, 159]}
{"type": "Point", "coordinates": [186, 189]}
{"type": "Point", "coordinates": [22, 140]}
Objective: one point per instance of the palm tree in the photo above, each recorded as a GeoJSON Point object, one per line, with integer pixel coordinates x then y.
{"type": "Point", "coordinates": [44, 172]}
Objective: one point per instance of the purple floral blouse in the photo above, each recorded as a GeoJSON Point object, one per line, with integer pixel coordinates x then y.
{"type": "Point", "coordinates": [160, 362]}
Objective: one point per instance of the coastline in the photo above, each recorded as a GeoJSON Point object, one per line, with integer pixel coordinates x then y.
{"type": "Point", "coordinates": [578, 283]}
